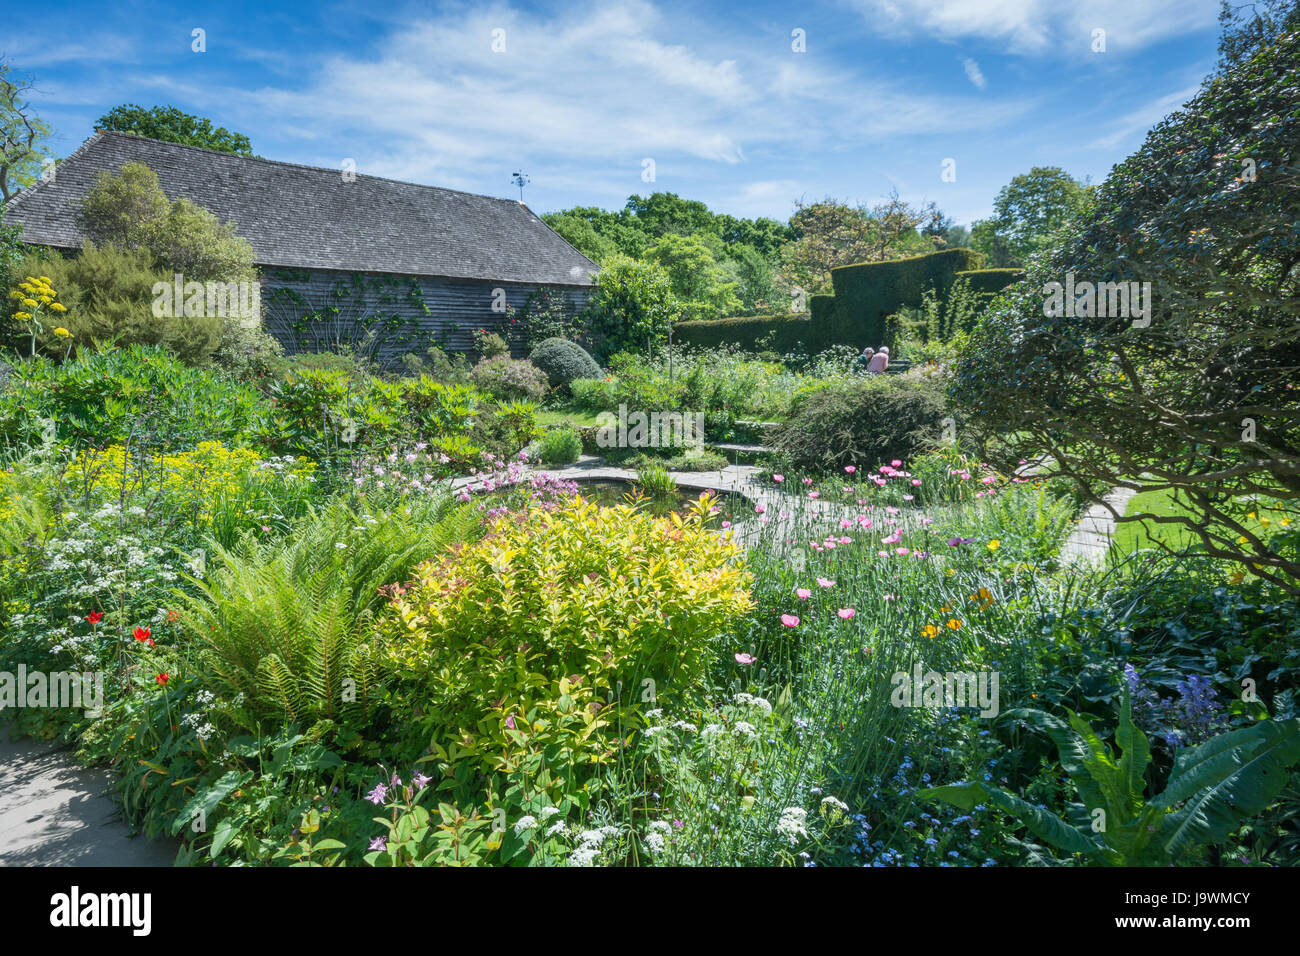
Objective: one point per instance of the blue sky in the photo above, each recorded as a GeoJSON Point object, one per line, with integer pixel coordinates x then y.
{"type": "Point", "coordinates": [584, 93]}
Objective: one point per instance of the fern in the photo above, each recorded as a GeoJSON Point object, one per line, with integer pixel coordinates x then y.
{"type": "Point", "coordinates": [282, 623]}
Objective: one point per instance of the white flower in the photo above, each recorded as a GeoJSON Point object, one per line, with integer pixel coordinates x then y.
{"type": "Point", "coordinates": [745, 729]}
{"type": "Point", "coordinates": [686, 726]}
{"type": "Point", "coordinates": [836, 803]}
{"type": "Point", "coordinates": [660, 826]}
{"type": "Point", "coordinates": [525, 823]}
{"type": "Point", "coordinates": [584, 855]}
{"type": "Point", "coordinates": [547, 812]}
{"type": "Point", "coordinates": [712, 730]}
{"type": "Point", "coordinates": [793, 824]}
{"type": "Point", "coordinates": [557, 829]}
{"type": "Point", "coordinates": [654, 842]}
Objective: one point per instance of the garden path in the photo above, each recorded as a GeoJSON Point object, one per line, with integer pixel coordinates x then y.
{"type": "Point", "coordinates": [54, 812]}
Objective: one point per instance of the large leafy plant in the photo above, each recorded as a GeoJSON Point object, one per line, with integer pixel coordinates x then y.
{"type": "Point", "coordinates": [1214, 788]}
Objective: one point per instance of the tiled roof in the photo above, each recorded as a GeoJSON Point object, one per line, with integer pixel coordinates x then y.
{"type": "Point", "coordinates": [309, 218]}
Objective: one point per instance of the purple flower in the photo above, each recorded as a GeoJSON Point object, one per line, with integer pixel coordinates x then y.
{"type": "Point", "coordinates": [420, 780]}
{"type": "Point", "coordinates": [379, 843]}
{"type": "Point", "coordinates": [377, 795]}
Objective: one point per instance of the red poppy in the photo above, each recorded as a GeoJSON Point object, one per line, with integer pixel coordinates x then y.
{"type": "Point", "coordinates": [141, 633]}
{"type": "Point", "coordinates": [94, 616]}
{"type": "Point", "coordinates": [173, 615]}
{"type": "Point", "coordinates": [162, 678]}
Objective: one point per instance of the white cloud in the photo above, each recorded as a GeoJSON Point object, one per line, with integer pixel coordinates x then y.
{"type": "Point", "coordinates": [1144, 117]}
{"type": "Point", "coordinates": [1040, 27]}
{"type": "Point", "coordinates": [973, 73]}
{"type": "Point", "coordinates": [608, 85]}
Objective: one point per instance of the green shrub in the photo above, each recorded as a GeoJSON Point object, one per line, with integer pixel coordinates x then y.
{"type": "Point", "coordinates": [560, 446]}
{"type": "Point", "coordinates": [563, 361]}
{"type": "Point", "coordinates": [138, 392]}
{"type": "Point", "coordinates": [866, 294]}
{"type": "Point", "coordinates": [483, 643]}
{"type": "Point", "coordinates": [108, 292]}
{"type": "Point", "coordinates": [489, 344]}
{"type": "Point", "coordinates": [506, 378]}
{"type": "Point", "coordinates": [862, 421]}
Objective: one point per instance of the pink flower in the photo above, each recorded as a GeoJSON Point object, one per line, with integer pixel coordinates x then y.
{"type": "Point", "coordinates": [900, 551]}
{"type": "Point", "coordinates": [510, 721]}
{"type": "Point", "coordinates": [759, 509]}
{"type": "Point", "coordinates": [889, 597]}
{"type": "Point", "coordinates": [789, 620]}
{"type": "Point", "coordinates": [825, 582]}
{"type": "Point", "coordinates": [896, 463]}
{"type": "Point", "coordinates": [746, 659]}
{"type": "Point", "coordinates": [916, 481]}
{"type": "Point", "coordinates": [802, 593]}
{"type": "Point", "coordinates": [814, 494]}
{"type": "Point", "coordinates": [883, 554]}
{"type": "Point", "coordinates": [807, 481]}
{"type": "Point", "coordinates": [988, 480]}
{"type": "Point", "coordinates": [845, 539]}
{"type": "Point", "coordinates": [778, 478]}
{"type": "Point", "coordinates": [726, 525]}
{"type": "Point", "coordinates": [846, 612]}
{"type": "Point", "coordinates": [849, 469]}
{"type": "Point", "coordinates": [908, 497]}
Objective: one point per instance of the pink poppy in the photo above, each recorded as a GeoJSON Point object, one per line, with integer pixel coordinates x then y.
{"type": "Point", "coordinates": [789, 620]}
{"type": "Point", "coordinates": [825, 582]}
{"type": "Point", "coordinates": [745, 659]}
{"type": "Point", "coordinates": [846, 612]}
{"type": "Point", "coordinates": [802, 593]}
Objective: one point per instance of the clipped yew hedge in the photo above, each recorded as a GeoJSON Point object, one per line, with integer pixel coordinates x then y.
{"type": "Point", "coordinates": [989, 281]}
{"type": "Point", "coordinates": [791, 330]}
{"type": "Point", "coordinates": [866, 294]}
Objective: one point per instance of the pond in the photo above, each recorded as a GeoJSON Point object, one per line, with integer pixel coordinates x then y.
{"type": "Point", "coordinates": [731, 507]}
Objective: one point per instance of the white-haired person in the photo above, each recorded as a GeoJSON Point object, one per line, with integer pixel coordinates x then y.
{"type": "Point", "coordinates": [879, 362]}
{"type": "Point", "coordinates": [862, 362]}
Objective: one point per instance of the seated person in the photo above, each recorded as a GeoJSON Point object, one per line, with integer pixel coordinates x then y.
{"type": "Point", "coordinates": [862, 362]}
{"type": "Point", "coordinates": [879, 361]}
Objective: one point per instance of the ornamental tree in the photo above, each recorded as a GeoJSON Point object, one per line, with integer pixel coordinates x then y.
{"type": "Point", "coordinates": [1201, 398]}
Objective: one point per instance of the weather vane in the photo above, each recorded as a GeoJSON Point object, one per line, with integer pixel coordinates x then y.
{"type": "Point", "coordinates": [520, 180]}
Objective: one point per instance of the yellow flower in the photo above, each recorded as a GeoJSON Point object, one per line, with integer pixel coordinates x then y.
{"type": "Point", "coordinates": [954, 623]}
{"type": "Point", "coordinates": [61, 331]}
{"type": "Point", "coordinates": [30, 303]}
{"type": "Point", "coordinates": [45, 279]}
{"type": "Point", "coordinates": [993, 545]}
{"type": "Point", "coordinates": [1286, 522]}
{"type": "Point", "coordinates": [929, 631]}
{"type": "Point", "coordinates": [944, 610]}
{"type": "Point", "coordinates": [1236, 577]}
{"type": "Point", "coordinates": [22, 316]}
{"type": "Point", "coordinates": [58, 307]}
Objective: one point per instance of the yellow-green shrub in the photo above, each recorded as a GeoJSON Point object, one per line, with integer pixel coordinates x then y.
{"type": "Point", "coordinates": [606, 607]}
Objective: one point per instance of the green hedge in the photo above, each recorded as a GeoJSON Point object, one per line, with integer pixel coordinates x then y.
{"type": "Point", "coordinates": [989, 281]}
{"type": "Point", "coordinates": [744, 331]}
{"type": "Point", "coordinates": [866, 294]}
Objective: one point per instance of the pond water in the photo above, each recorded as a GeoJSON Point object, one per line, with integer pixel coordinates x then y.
{"type": "Point", "coordinates": [731, 507]}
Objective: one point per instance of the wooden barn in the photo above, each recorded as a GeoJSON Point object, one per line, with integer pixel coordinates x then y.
{"type": "Point", "coordinates": [341, 253]}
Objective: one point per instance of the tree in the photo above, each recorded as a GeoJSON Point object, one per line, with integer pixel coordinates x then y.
{"type": "Point", "coordinates": [171, 125]}
{"type": "Point", "coordinates": [129, 209]}
{"type": "Point", "coordinates": [833, 233]}
{"type": "Point", "coordinates": [633, 305]}
{"type": "Point", "coordinates": [1028, 213]}
{"type": "Point", "coordinates": [22, 136]}
{"type": "Point", "coordinates": [661, 213]}
{"type": "Point", "coordinates": [1195, 395]}
{"type": "Point", "coordinates": [582, 235]}
{"type": "Point", "coordinates": [1244, 34]}
{"type": "Point", "coordinates": [697, 281]}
